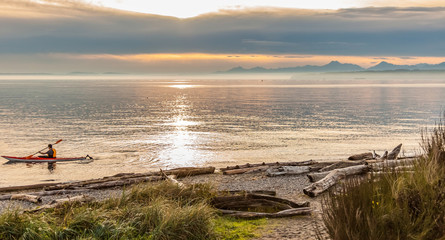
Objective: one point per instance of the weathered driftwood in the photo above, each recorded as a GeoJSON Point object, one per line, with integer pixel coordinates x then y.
{"type": "Point", "coordinates": [285, 213]}
{"type": "Point", "coordinates": [332, 178]}
{"type": "Point", "coordinates": [392, 164]}
{"type": "Point", "coordinates": [249, 201]}
{"type": "Point", "coordinates": [248, 165]}
{"type": "Point", "coordinates": [189, 171]}
{"type": "Point", "coordinates": [27, 187]}
{"type": "Point", "coordinates": [316, 176]}
{"type": "Point", "coordinates": [246, 170]}
{"type": "Point", "coordinates": [287, 170]}
{"type": "Point", "coordinates": [124, 182]}
{"type": "Point", "coordinates": [22, 197]}
{"type": "Point", "coordinates": [125, 179]}
{"type": "Point", "coordinates": [394, 153]}
{"type": "Point", "coordinates": [44, 193]}
{"type": "Point", "coordinates": [179, 172]}
{"type": "Point", "coordinates": [372, 155]}
{"type": "Point", "coordinates": [172, 179]}
{"type": "Point", "coordinates": [375, 155]}
{"type": "Point", "coordinates": [58, 202]}
{"type": "Point", "coordinates": [361, 156]}
{"type": "Point", "coordinates": [59, 192]}
{"type": "Point", "coordinates": [261, 192]}
{"type": "Point", "coordinates": [342, 164]}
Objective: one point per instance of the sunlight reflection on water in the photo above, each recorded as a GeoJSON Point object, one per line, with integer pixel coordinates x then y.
{"type": "Point", "coordinates": [134, 126]}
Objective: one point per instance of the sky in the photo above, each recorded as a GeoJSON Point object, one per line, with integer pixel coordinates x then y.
{"type": "Point", "coordinates": [171, 36]}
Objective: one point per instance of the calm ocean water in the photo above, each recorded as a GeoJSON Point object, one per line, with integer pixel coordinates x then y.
{"type": "Point", "coordinates": [135, 125]}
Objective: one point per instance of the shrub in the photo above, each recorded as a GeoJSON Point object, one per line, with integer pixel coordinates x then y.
{"type": "Point", "coordinates": [397, 205]}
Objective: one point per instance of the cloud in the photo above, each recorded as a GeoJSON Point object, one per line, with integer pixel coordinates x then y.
{"type": "Point", "coordinates": [73, 27]}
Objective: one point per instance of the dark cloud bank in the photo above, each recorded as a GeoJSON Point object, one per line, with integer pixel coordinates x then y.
{"type": "Point", "coordinates": [92, 30]}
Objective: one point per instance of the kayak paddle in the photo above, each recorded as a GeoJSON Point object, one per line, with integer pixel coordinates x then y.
{"type": "Point", "coordinates": [44, 149]}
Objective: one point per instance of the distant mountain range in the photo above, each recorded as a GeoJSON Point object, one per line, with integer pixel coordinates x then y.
{"type": "Point", "coordinates": [336, 66]}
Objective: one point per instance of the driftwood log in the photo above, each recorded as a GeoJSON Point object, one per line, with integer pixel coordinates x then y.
{"type": "Point", "coordinates": [317, 176]}
{"type": "Point", "coordinates": [246, 170]}
{"type": "Point", "coordinates": [332, 178]}
{"type": "Point", "coordinates": [372, 155]}
{"type": "Point", "coordinates": [394, 153]}
{"type": "Point", "coordinates": [241, 206]}
{"type": "Point", "coordinates": [248, 165]}
{"type": "Point", "coordinates": [342, 164]}
{"type": "Point", "coordinates": [179, 172]}
{"type": "Point", "coordinates": [22, 197]}
{"type": "Point", "coordinates": [261, 192]}
{"type": "Point", "coordinates": [27, 187]}
{"type": "Point", "coordinates": [249, 201]}
{"type": "Point", "coordinates": [361, 156]}
{"type": "Point", "coordinates": [132, 178]}
{"type": "Point", "coordinates": [261, 167]}
{"type": "Point", "coordinates": [392, 164]}
{"type": "Point", "coordinates": [125, 182]}
{"type": "Point", "coordinates": [59, 202]}
{"type": "Point", "coordinates": [287, 170]}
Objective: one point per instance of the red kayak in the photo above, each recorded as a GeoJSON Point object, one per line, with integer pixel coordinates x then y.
{"type": "Point", "coordinates": [44, 160]}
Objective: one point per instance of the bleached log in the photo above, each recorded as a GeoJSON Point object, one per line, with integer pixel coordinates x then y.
{"type": "Point", "coordinates": [392, 164]}
{"type": "Point", "coordinates": [22, 197]}
{"type": "Point", "coordinates": [189, 171]}
{"type": "Point", "coordinates": [332, 178]}
{"type": "Point", "coordinates": [394, 153]}
{"type": "Point", "coordinates": [58, 202]}
{"type": "Point", "coordinates": [125, 182]}
{"type": "Point", "coordinates": [316, 176]}
{"type": "Point", "coordinates": [172, 179]}
{"type": "Point", "coordinates": [248, 165]}
{"type": "Point", "coordinates": [361, 156]}
{"type": "Point", "coordinates": [261, 192]}
{"type": "Point", "coordinates": [27, 187]}
{"type": "Point", "coordinates": [179, 172]}
{"type": "Point", "coordinates": [342, 164]}
{"type": "Point", "coordinates": [375, 155]}
{"type": "Point", "coordinates": [59, 192]}
{"type": "Point", "coordinates": [248, 201]}
{"type": "Point", "coordinates": [285, 213]}
{"type": "Point", "coordinates": [246, 170]}
{"type": "Point", "coordinates": [287, 170]}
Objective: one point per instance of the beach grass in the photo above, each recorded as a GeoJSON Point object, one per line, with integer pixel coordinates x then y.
{"type": "Point", "coordinates": [395, 205]}
{"type": "Point", "coordinates": [147, 211]}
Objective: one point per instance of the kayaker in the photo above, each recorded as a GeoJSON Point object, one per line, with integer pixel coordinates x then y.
{"type": "Point", "coordinates": [51, 153]}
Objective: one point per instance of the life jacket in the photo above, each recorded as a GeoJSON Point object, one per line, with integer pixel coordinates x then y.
{"type": "Point", "coordinates": [54, 153]}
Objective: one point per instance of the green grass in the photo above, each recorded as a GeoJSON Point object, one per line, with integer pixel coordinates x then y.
{"type": "Point", "coordinates": [149, 211]}
{"type": "Point", "coordinates": [398, 205]}
{"type": "Point", "coordinates": [231, 228]}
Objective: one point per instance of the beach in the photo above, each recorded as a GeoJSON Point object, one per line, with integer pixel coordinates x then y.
{"type": "Point", "coordinates": [287, 187]}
